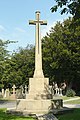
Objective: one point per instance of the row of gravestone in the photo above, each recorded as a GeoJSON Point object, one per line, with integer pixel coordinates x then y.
{"type": "Point", "coordinates": [55, 92]}
{"type": "Point", "coordinates": [14, 93]}
{"type": "Point", "coordinates": [58, 90]}
{"type": "Point", "coordinates": [21, 93]}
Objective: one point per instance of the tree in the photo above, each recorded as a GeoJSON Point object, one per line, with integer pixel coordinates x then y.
{"type": "Point", "coordinates": [69, 6]}
{"type": "Point", "coordinates": [19, 67]}
{"type": "Point", "coordinates": [72, 7]}
{"type": "Point", "coordinates": [4, 55]}
{"type": "Point", "coordinates": [61, 53]}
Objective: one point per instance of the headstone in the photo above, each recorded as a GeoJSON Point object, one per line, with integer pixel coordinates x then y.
{"type": "Point", "coordinates": [53, 89]}
{"type": "Point", "coordinates": [13, 95]}
{"type": "Point", "coordinates": [57, 91]}
{"type": "Point", "coordinates": [22, 89]}
{"type": "Point", "coordinates": [7, 93]}
{"type": "Point", "coordinates": [14, 89]}
{"type": "Point", "coordinates": [3, 92]}
{"type": "Point", "coordinates": [55, 85]}
{"type": "Point", "coordinates": [63, 87]}
{"type": "Point", "coordinates": [60, 92]}
{"type": "Point", "coordinates": [26, 89]}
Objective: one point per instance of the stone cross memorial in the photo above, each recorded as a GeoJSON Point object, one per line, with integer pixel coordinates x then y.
{"type": "Point", "coordinates": [38, 98]}
{"type": "Point", "coordinates": [14, 91]}
{"type": "Point", "coordinates": [13, 95]}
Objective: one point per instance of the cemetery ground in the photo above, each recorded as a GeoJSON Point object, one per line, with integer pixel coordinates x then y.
{"type": "Point", "coordinates": [73, 115]}
{"type": "Point", "coordinates": [5, 116]}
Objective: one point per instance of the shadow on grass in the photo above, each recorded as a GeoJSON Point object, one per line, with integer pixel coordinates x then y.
{"type": "Point", "coordinates": [75, 115]}
{"type": "Point", "coordinates": [5, 116]}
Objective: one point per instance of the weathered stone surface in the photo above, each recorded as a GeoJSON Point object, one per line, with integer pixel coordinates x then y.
{"type": "Point", "coordinates": [34, 106]}
{"type": "Point", "coordinates": [49, 116]}
{"type": "Point", "coordinates": [38, 88]}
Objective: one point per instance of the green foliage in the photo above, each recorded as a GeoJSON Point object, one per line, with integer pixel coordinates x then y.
{"type": "Point", "coordinates": [68, 6]}
{"type": "Point", "coordinates": [71, 6]}
{"type": "Point", "coordinates": [19, 68]}
{"type": "Point", "coordinates": [4, 55]}
{"type": "Point", "coordinates": [70, 93]}
{"type": "Point", "coordinates": [73, 115]}
{"type": "Point", "coordinates": [61, 53]}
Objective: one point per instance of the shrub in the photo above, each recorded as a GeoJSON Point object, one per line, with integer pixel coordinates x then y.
{"type": "Point", "coordinates": [70, 93]}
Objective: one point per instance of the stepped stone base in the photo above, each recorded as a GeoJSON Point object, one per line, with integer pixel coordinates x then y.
{"type": "Point", "coordinates": [38, 99]}
{"type": "Point", "coordinates": [34, 106]}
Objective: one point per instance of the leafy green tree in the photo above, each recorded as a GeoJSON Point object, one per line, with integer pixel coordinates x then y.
{"type": "Point", "coordinates": [19, 68]}
{"type": "Point", "coordinates": [4, 55]}
{"type": "Point", "coordinates": [72, 7]}
{"type": "Point", "coordinates": [69, 6]}
{"type": "Point", "coordinates": [61, 53]}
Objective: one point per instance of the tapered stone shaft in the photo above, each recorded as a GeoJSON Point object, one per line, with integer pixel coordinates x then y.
{"type": "Point", "coordinates": [38, 73]}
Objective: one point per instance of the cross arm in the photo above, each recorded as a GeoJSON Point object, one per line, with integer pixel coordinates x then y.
{"type": "Point", "coordinates": [32, 22]}
{"type": "Point", "coordinates": [44, 23]}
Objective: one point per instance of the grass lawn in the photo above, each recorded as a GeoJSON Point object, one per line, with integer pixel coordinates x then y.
{"type": "Point", "coordinates": [5, 116]}
{"type": "Point", "coordinates": [67, 98]}
{"type": "Point", "coordinates": [75, 115]}
{"type": "Point", "coordinates": [73, 102]}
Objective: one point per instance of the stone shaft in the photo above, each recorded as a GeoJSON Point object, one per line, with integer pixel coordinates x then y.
{"type": "Point", "coordinates": [38, 73]}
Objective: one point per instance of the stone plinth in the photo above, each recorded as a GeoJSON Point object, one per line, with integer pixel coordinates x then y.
{"type": "Point", "coordinates": [34, 106]}
{"type": "Point", "coordinates": [38, 88]}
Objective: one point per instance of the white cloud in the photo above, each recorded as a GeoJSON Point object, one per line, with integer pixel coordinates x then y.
{"type": "Point", "coordinates": [20, 30]}
{"type": "Point", "coordinates": [2, 28]}
{"type": "Point", "coordinates": [46, 29]}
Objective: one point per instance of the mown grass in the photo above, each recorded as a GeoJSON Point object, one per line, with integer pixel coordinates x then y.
{"type": "Point", "coordinates": [5, 116]}
{"type": "Point", "coordinates": [75, 115]}
{"type": "Point", "coordinates": [73, 102]}
{"type": "Point", "coordinates": [67, 98]}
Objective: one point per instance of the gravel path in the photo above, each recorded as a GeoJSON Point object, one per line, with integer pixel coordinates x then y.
{"type": "Point", "coordinates": [72, 105]}
{"type": "Point", "coordinates": [7, 104]}
{"type": "Point", "coordinates": [12, 104]}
